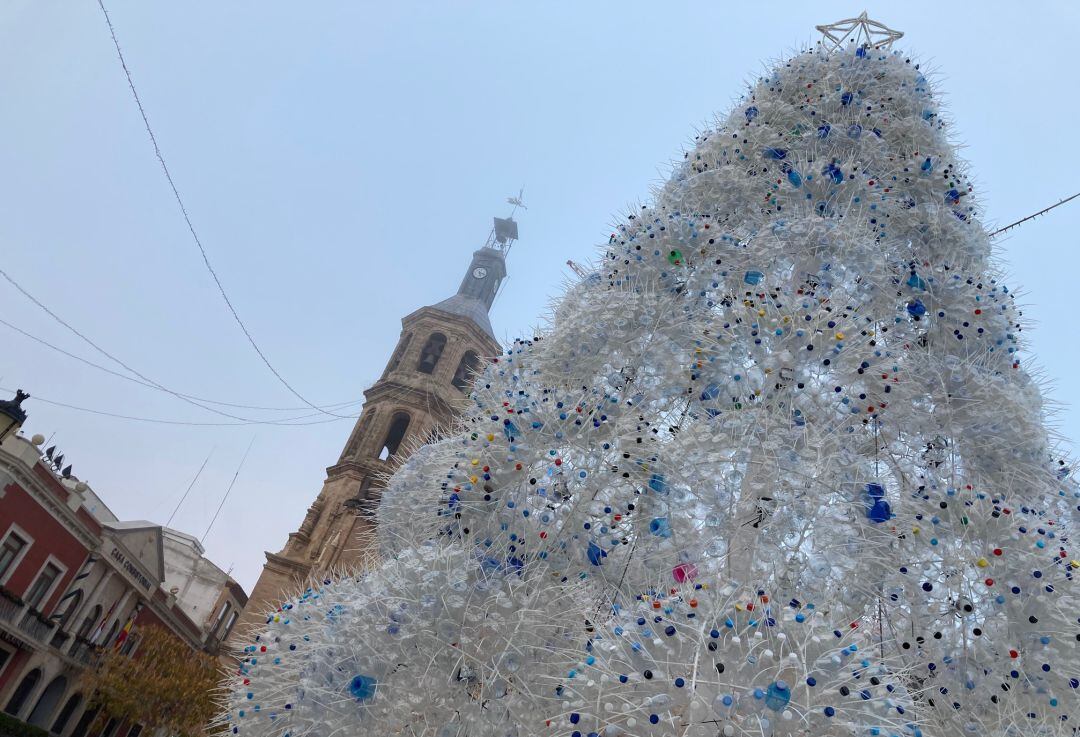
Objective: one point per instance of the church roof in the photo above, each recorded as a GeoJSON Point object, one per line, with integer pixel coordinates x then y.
{"type": "Point", "coordinates": [469, 307]}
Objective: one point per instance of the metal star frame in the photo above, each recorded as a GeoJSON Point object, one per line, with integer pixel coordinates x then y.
{"type": "Point", "coordinates": [862, 30]}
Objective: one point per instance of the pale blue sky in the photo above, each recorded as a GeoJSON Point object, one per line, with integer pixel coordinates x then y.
{"type": "Point", "coordinates": [342, 160]}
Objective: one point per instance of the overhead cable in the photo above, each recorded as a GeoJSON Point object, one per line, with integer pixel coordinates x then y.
{"type": "Point", "coordinates": [189, 488]}
{"type": "Point", "coordinates": [140, 382]}
{"type": "Point", "coordinates": [187, 219]}
{"type": "Point", "coordinates": [287, 422]}
{"type": "Point", "coordinates": [228, 491]}
{"type": "Point", "coordinates": [241, 420]}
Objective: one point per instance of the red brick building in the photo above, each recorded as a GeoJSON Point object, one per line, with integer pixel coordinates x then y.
{"type": "Point", "coordinates": [72, 576]}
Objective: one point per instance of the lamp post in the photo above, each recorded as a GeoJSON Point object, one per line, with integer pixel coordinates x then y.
{"type": "Point", "coordinates": [12, 415]}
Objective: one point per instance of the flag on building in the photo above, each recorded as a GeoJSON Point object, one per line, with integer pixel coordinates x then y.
{"type": "Point", "coordinates": [127, 627]}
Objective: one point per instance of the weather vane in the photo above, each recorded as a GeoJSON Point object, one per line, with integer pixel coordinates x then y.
{"type": "Point", "coordinates": [862, 30]}
{"type": "Point", "coordinates": [517, 202]}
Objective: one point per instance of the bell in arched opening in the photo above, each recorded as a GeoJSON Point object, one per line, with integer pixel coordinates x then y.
{"type": "Point", "coordinates": [431, 353]}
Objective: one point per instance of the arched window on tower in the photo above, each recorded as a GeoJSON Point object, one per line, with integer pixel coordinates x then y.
{"type": "Point", "coordinates": [432, 352]}
{"type": "Point", "coordinates": [362, 501]}
{"type": "Point", "coordinates": [399, 353]}
{"type": "Point", "coordinates": [399, 425]}
{"type": "Point", "coordinates": [466, 370]}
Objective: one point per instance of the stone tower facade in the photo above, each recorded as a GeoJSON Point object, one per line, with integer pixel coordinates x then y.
{"type": "Point", "coordinates": [424, 385]}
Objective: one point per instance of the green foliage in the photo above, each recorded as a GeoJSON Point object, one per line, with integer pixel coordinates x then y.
{"type": "Point", "coordinates": [12, 727]}
{"type": "Point", "coordinates": [165, 685]}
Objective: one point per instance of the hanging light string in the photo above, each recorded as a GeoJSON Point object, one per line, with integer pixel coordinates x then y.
{"type": "Point", "coordinates": [114, 359]}
{"type": "Point", "coordinates": [191, 226]}
{"type": "Point", "coordinates": [1043, 211]}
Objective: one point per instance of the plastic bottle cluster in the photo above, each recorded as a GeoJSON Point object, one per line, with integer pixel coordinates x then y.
{"type": "Point", "coordinates": [775, 468]}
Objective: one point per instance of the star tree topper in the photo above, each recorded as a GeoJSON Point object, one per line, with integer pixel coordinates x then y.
{"type": "Point", "coordinates": [862, 30]}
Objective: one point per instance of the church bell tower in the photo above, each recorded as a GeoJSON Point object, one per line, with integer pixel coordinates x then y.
{"type": "Point", "coordinates": [424, 385]}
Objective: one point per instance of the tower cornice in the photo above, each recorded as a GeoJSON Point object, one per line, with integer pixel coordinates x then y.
{"type": "Point", "coordinates": [410, 394]}
{"type": "Point", "coordinates": [478, 333]}
{"type": "Point", "coordinates": [359, 468]}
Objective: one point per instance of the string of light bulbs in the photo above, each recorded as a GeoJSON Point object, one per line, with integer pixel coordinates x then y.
{"type": "Point", "coordinates": [182, 397]}
{"type": "Point", "coordinates": [191, 226]}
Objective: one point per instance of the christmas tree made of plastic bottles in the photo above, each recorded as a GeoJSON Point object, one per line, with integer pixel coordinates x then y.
{"type": "Point", "coordinates": [775, 468]}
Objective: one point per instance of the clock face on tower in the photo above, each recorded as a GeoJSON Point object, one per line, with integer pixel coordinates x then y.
{"type": "Point", "coordinates": [479, 272]}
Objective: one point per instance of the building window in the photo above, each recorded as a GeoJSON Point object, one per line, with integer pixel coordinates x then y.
{"type": "Point", "coordinates": [433, 350]}
{"type": "Point", "coordinates": [399, 425]}
{"type": "Point", "coordinates": [9, 552]}
{"type": "Point", "coordinates": [66, 713]}
{"type": "Point", "coordinates": [110, 727]}
{"type": "Point", "coordinates": [402, 346]}
{"type": "Point", "coordinates": [360, 432]}
{"type": "Point", "coordinates": [229, 624]}
{"type": "Point", "coordinates": [135, 731]}
{"type": "Point", "coordinates": [358, 503]}
{"type": "Point", "coordinates": [48, 702]}
{"type": "Point", "coordinates": [22, 693]}
{"type": "Point", "coordinates": [466, 370]}
{"type": "Point", "coordinates": [42, 586]}
{"type": "Point", "coordinates": [225, 608]}
{"type": "Point", "coordinates": [85, 721]}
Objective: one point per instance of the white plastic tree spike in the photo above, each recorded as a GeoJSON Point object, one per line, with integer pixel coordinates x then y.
{"type": "Point", "coordinates": [774, 469]}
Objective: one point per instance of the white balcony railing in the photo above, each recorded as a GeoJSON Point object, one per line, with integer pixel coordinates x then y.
{"type": "Point", "coordinates": [30, 625]}
{"type": "Point", "coordinates": [34, 625]}
{"type": "Point", "coordinates": [8, 609]}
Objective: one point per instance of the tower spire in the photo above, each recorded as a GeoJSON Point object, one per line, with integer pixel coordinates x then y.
{"type": "Point", "coordinates": [486, 272]}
